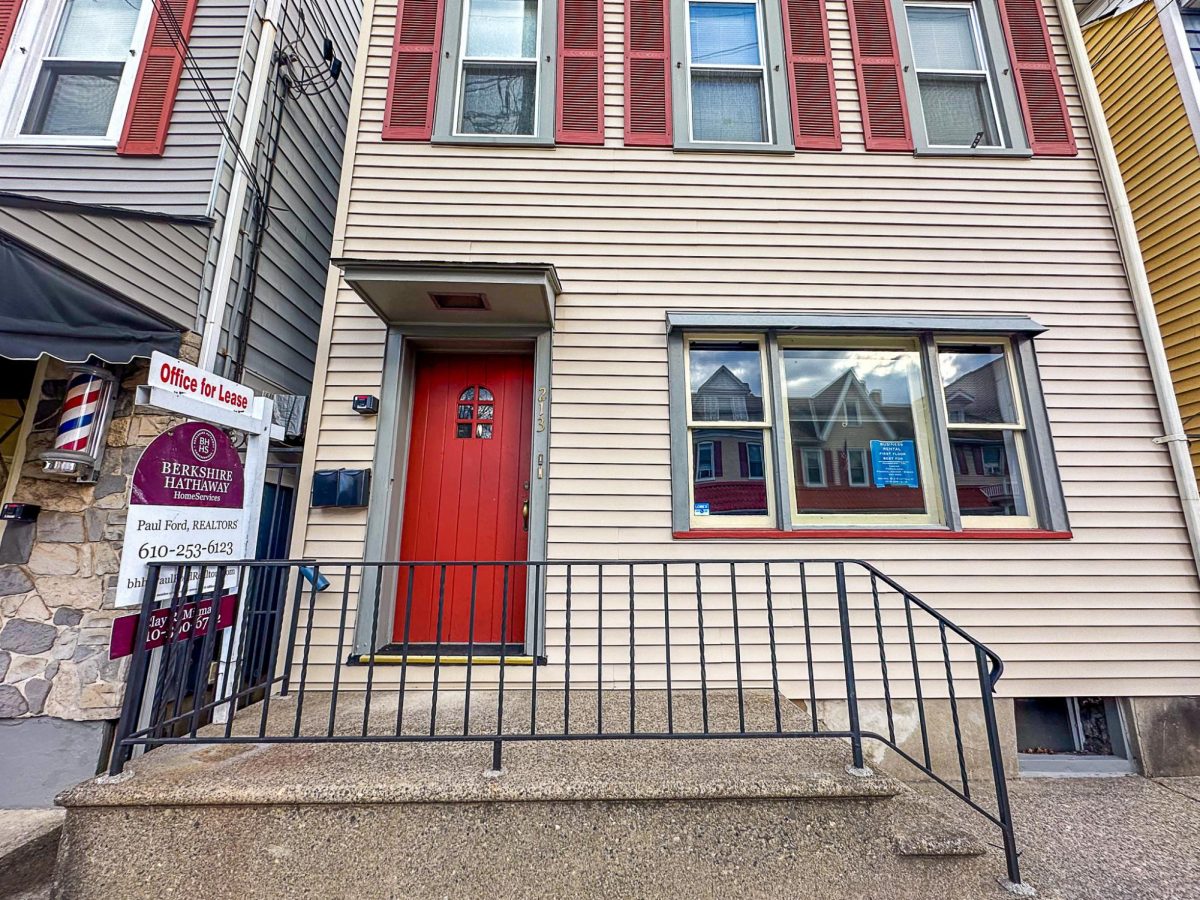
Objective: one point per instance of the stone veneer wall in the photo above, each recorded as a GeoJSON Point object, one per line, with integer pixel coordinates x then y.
{"type": "Point", "coordinates": [58, 575]}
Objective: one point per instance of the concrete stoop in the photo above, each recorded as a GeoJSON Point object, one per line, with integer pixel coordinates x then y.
{"type": "Point", "coordinates": [613, 819]}
{"type": "Point", "coordinates": [28, 847]}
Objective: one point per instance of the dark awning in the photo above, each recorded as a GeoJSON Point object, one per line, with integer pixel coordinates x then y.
{"type": "Point", "coordinates": [47, 309]}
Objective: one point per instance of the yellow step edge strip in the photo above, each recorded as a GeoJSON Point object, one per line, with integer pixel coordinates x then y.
{"type": "Point", "coordinates": [395, 659]}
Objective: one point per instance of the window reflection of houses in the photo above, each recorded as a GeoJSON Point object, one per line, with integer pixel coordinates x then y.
{"type": "Point", "coordinates": [729, 464]}
{"type": "Point", "coordinates": [982, 473]}
{"type": "Point", "coordinates": [831, 433]}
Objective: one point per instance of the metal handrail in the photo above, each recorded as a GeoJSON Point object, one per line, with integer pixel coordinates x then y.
{"type": "Point", "coordinates": [169, 699]}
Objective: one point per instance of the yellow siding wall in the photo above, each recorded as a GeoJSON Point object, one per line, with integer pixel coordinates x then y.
{"type": "Point", "coordinates": [1160, 165]}
{"type": "Point", "coordinates": [635, 232]}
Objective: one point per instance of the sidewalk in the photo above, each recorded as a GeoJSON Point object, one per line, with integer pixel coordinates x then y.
{"type": "Point", "coordinates": [1110, 838]}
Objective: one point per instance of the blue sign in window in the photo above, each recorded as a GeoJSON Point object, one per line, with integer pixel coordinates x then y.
{"type": "Point", "coordinates": [894, 463]}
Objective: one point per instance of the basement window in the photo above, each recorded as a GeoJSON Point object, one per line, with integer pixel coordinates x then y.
{"type": "Point", "coordinates": [1071, 735]}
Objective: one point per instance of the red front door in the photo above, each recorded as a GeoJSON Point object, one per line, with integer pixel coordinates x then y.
{"type": "Point", "coordinates": [466, 498]}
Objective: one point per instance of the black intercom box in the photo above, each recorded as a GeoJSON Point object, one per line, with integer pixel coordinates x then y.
{"type": "Point", "coordinates": [341, 487]}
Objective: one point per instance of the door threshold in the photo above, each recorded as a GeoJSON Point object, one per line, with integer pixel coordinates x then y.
{"type": "Point", "coordinates": [447, 654]}
{"type": "Point", "coordinates": [444, 659]}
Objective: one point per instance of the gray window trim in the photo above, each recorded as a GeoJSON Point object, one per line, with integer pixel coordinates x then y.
{"type": "Point", "coordinates": [854, 322]}
{"type": "Point", "coordinates": [777, 87]}
{"type": "Point", "coordinates": [1050, 503]}
{"type": "Point", "coordinates": [443, 116]}
{"type": "Point", "coordinates": [1012, 123]}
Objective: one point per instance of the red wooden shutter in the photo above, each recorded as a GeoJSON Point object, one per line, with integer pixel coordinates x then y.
{"type": "Point", "coordinates": [718, 461]}
{"type": "Point", "coordinates": [9, 10]}
{"type": "Point", "coordinates": [877, 67]}
{"type": "Point", "coordinates": [810, 76]}
{"type": "Point", "coordinates": [743, 460]}
{"type": "Point", "coordinates": [412, 82]}
{"type": "Point", "coordinates": [580, 72]}
{"type": "Point", "coordinates": [157, 83]}
{"type": "Point", "coordinates": [647, 73]}
{"type": "Point", "coordinates": [1038, 84]}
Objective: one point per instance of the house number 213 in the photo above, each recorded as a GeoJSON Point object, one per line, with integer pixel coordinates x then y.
{"type": "Point", "coordinates": [541, 412]}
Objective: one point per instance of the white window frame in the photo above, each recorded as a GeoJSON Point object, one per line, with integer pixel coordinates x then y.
{"type": "Point", "coordinates": [761, 428]}
{"type": "Point", "coordinates": [1018, 428]}
{"type": "Point", "coordinates": [763, 68]}
{"type": "Point", "coordinates": [806, 453]}
{"type": "Point", "coordinates": [855, 420]}
{"type": "Point", "coordinates": [525, 62]}
{"type": "Point", "coordinates": [866, 471]}
{"type": "Point", "coordinates": [986, 72]}
{"type": "Point", "coordinates": [36, 27]}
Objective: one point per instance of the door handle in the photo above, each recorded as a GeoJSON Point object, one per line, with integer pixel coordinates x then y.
{"type": "Point", "coordinates": [525, 513]}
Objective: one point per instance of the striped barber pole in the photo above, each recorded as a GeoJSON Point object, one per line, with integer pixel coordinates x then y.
{"type": "Point", "coordinates": [80, 411]}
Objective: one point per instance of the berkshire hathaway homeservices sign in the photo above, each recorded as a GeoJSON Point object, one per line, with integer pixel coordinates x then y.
{"type": "Point", "coordinates": [186, 503]}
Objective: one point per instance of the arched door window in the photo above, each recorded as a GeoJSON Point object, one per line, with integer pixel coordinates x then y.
{"type": "Point", "coordinates": [476, 413]}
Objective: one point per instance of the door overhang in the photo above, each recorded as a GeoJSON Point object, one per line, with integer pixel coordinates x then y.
{"type": "Point", "coordinates": [476, 294]}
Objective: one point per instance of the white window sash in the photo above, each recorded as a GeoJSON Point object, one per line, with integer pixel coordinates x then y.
{"type": "Point", "coordinates": [36, 27]}
{"type": "Point", "coordinates": [761, 68]}
{"type": "Point", "coordinates": [524, 62]}
{"type": "Point", "coordinates": [984, 73]}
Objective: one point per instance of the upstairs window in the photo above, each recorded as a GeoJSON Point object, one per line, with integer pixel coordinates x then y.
{"type": "Point", "coordinates": [730, 87]}
{"type": "Point", "coordinates": [71, 68]}
{"type": "Point", "coordinates": [495, 82]}
{"type": "Point", "coordinates": [954, 80]}
{"type": "Point", "coordinates": [727, 84]}
{"type": "Point", "coordinates": [952, 52]}
{"type": "Point", "coordinates": [498, 81]}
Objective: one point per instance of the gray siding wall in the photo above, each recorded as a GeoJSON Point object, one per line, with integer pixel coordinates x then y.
{"type": "Point", "coordinates": [154, 263]}
{"type": "Point", "coordinates": [291, 284]}
{"type": "Point", "coordinates": [286, 311]}
{"type": "Point", "coordinates": [180, 182]}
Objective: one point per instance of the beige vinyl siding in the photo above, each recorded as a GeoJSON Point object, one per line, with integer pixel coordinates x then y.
{"type": "Point", "coordinates": [636, 232]}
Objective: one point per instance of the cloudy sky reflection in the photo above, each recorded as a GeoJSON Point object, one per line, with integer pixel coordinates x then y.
{"type": "Point", "coordinates": [810, 371]}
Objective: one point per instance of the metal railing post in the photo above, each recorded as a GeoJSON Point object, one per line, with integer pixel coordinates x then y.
{"type": "Point", "coordinates": [856, 748]}
{"type": "Point", "coordinates": [135, 688]}
{"type": "Point", "coordinates": [1003, 810]}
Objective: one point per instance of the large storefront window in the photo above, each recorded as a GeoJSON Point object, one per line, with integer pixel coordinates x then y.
{"type": "Point", "coordinates": [857, 415]}
{"type": "Point", "coordinates": [789, 431]}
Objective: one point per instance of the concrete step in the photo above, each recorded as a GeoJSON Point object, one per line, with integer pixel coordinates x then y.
{"type": "Point", "coordinates": [28, 847]}
{"type": "Point", "coordinates": [614, 818]}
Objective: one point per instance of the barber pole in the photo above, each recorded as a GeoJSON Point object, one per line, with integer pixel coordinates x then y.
{"type": "Point", "coordinates": [79, 441]}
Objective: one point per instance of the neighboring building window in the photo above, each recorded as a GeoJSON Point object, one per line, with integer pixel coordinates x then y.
{"type": "Point", "coordinates": [70, 70]}
{"type": "Point", "coordinates": [730, 86]}
{"type": "Point", "coordinates": [705, 468]}
{"type": "Point", "coordinates": [856, 467]}
{"type": "Point", "coordinates": [858, 438]}
{"type": "Point", "coordinates": [721, 370]}
{"type": "Point", "coordinates": [952, 54]}
{"type": "Point", "coordinates": [814, 467]}
{"type": "Point", "coordinates": [754, 461]}
{"type": "Point", "coordinates": [495, 83]}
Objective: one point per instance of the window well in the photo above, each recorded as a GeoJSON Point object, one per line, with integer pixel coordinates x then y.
{"type": "Point", "coordinates": [1071, 735]}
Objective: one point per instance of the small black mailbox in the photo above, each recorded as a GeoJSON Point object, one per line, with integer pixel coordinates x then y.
{"type": "Point", "coordinates": [341, 487]}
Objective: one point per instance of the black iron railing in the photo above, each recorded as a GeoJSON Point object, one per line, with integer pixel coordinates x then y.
{"type": "Point", "coordinates": [565, 650]}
